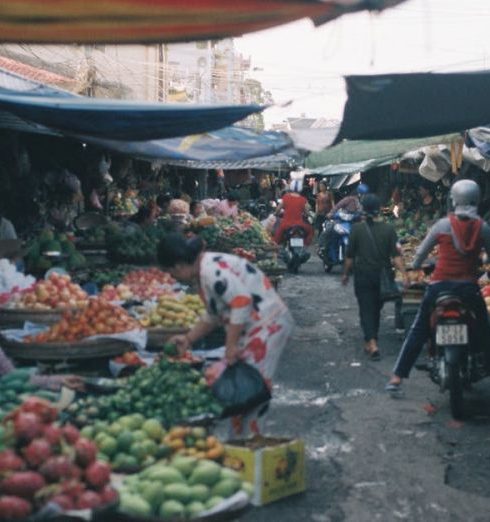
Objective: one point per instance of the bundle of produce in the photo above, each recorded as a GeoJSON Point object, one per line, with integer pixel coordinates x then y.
{"type": "Point", "coordinates": [131, 442]}
{"type": "Point", "coordinates": [14, 386]}
{"type": "Point", "coordinates": [246, 254]}
{"type": "Point", "coordinates": [129, 359]}
{"type": "Point", "coordinates": [228, 233]}
{"type": "Point", "coordinates": [169, 392]}
{"type": "Point", "coordinates": [121, 292]}
{"type": "Point", "coordinates": [98, 318]}
{"type": "Point", "coordinates": [11, 280]}
{"type": "Point", "coordinates": [54, 293]}
{"type": "Point", "coordinates": [194, 442]}
{"type": "Point", "coordinates": [53, 248]}
{"type": "Point", "coordinates": [138, 247]}
{"type": "Point", "coordinates": [125, 204]}
{"type": "Point", "coordinates": [45, 462]}
{"type": "Point", "coordinates": [174, 312]}
{"type": "Point", "coordinates": [147, 277]}
{"type": "Point", "coordinates": [102, 276]}
{"type": "Point", "coordinates": [182, 489]}
{"type": "Point", "coordinates": [171, 353]}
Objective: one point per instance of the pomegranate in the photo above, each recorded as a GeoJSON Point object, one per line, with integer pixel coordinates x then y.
{"type": "Point", "coordinates": [71, 433]}
{"type": "Point", "coordinates": [41, 407]}
{"type": "Point", "coordinates": [58, 468]}
{"type": "Point", "coordinates": [89, 500]}
{"type": "Point", "coordinates": [14, 508]}
{"type": "Point", "coordinates": [53, 432]}
{"type": "Point", "coordinates": [37, 452]}
{"type": "Point", "coordinates": [108, 495]}
{"type": "Point", "coordinates": [64, 502]}
{"type": "Point", "coordinates": [9, 461]}
{"type": "Point", "coordinates": [23, 484]}
{"type": "Point", "coordinates": [27, 426]}
{"type": "Point", "coordinates": [86, 451]}
{"type": "Point", "coordinates": [98, 474]}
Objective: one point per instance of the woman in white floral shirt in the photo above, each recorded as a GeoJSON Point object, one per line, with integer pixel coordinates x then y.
{"type": "Point", "coordinates": [237, 295]}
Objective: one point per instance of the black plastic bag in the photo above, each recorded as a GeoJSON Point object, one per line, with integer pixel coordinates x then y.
{"type": "Point", "coordinates": [240, 388]}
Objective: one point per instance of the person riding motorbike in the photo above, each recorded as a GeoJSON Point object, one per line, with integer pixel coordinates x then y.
{"type": "Point", "coordinates": [295, 207]}
{"type": "Point", "coordinates": [352, 203]}
{"type": "Point", "coordinates": [460, 237]}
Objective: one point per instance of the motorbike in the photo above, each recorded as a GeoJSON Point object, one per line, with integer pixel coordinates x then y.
{"type": "Point", "coordinates": [454, 364]}
{"type": "Point", "coordinates": [333, 244]}
{"type": "Point", "coordinates": [259, 208]}
{"type": "Point", "coordinates": [295, 253]}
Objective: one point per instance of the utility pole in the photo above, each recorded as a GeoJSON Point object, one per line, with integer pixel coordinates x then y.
{"type": "Point", "coordinates": [162, 76]}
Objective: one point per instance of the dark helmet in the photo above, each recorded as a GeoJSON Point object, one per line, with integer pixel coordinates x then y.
{"type": "Point", "coordinates": [371, 204]}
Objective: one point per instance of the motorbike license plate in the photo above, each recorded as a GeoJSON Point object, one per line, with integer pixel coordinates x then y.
{"type": "Point", "coordinates": [296, 242]}
{"type": "Point", "coordinates": [451, 334]}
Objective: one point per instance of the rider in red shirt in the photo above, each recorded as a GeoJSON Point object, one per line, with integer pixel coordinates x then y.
{"type": "Point", "coordinates": [461, 236]}
{"type": "Point", "coordinates": [294, 206]}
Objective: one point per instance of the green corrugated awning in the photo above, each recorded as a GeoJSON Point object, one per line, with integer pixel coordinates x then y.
{"type": "Point", "coordinates": [368, 154]}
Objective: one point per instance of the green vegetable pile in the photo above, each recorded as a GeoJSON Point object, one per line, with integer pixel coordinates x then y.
{"type": "Point", "coordinates": [49, 241]}
{"type": "Point", "coordinates": [138, 247]}
{"type": "Point", "coordinates": [168, 391]}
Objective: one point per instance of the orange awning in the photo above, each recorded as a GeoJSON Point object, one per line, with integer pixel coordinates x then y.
{"type": "Point", "coordinates": [145, 21]}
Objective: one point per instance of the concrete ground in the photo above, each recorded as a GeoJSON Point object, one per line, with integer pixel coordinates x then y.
{"type": "Point", "coordinates": [370, 457]}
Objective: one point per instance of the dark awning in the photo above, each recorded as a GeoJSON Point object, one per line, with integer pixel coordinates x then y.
{"type": "Point", "coordinates": [393, 106]}
{"type": "Point", "coordinates": [131, 21]}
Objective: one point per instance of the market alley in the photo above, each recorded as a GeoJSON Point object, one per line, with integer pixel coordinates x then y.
{"type": "Point", "coordinates": [370, 457]}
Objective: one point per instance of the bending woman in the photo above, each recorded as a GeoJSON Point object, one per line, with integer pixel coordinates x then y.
{"type": "Point", "coordinates": [240, 297]}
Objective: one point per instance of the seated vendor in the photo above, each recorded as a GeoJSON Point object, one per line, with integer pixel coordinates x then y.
{"type": "Point", "coordinates": [197, 210]}
{"type": "Point", "coordinates": [229, 206]}
{"type": "Point", "coordinates": [50, 382]}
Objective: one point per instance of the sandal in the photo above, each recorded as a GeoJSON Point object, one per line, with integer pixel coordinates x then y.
{"type": "Point", "coordinates": [395, 388]}
{"type": "Point", "coordinates": [374, 355]}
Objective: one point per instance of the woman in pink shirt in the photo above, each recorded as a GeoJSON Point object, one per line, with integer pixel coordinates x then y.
{"type": "Point", "coordinates": [229, 206]}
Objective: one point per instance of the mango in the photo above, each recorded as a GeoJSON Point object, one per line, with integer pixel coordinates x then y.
{"type": "Point", "coordinates": [153, 429]}
{"type": "Point", "coordinates": [134, 505]}
{"type": "Point", "coordinates": [165, 475]}
{"type": "Point", "coordinates": [185, 465]}
{"type": "Point", "coordinates": [226, 488]}
{"type": "Point", "coordinates": [171, 509]}
{"type": "Point", "coordinates": [194, 508]}
{"type": "Point", "coordinates": [213, 502]}
{"type": "Point", "coordinates": [200, 493]}
{"type": "Point", "coordinates": [207, 473]}
{"type": "Point", "coordinates": [180, 492]}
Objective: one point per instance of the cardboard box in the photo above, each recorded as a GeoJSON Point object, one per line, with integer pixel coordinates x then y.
{"type": "Point", "coordinates": [275, 467]}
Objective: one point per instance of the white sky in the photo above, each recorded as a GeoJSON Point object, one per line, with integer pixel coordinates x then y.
{"type": "Point", "coordinates": [306, 64]}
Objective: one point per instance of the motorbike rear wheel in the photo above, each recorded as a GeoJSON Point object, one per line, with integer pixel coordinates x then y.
{"type": "Point", "coordinates": [455, 387]}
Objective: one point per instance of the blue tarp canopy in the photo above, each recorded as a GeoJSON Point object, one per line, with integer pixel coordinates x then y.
{"type": "Point", "coordinates": [229, 147]}
{"type": "Point", "coordinates": [120, 119]}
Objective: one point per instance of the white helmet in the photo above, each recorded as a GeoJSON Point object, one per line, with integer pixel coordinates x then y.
{"type": "Point", "coordinates": [465, 193]}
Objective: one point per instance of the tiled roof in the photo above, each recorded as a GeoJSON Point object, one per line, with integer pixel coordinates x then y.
{"type": "Point", "coordinates": [33, 73]}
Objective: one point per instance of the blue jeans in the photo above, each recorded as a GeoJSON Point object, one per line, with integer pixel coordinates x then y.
{"type": "Point", "coordinates": [419, 332]}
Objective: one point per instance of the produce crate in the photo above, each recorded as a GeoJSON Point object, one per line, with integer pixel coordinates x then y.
{"type": "Point", "coordinates": [275, 467]}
